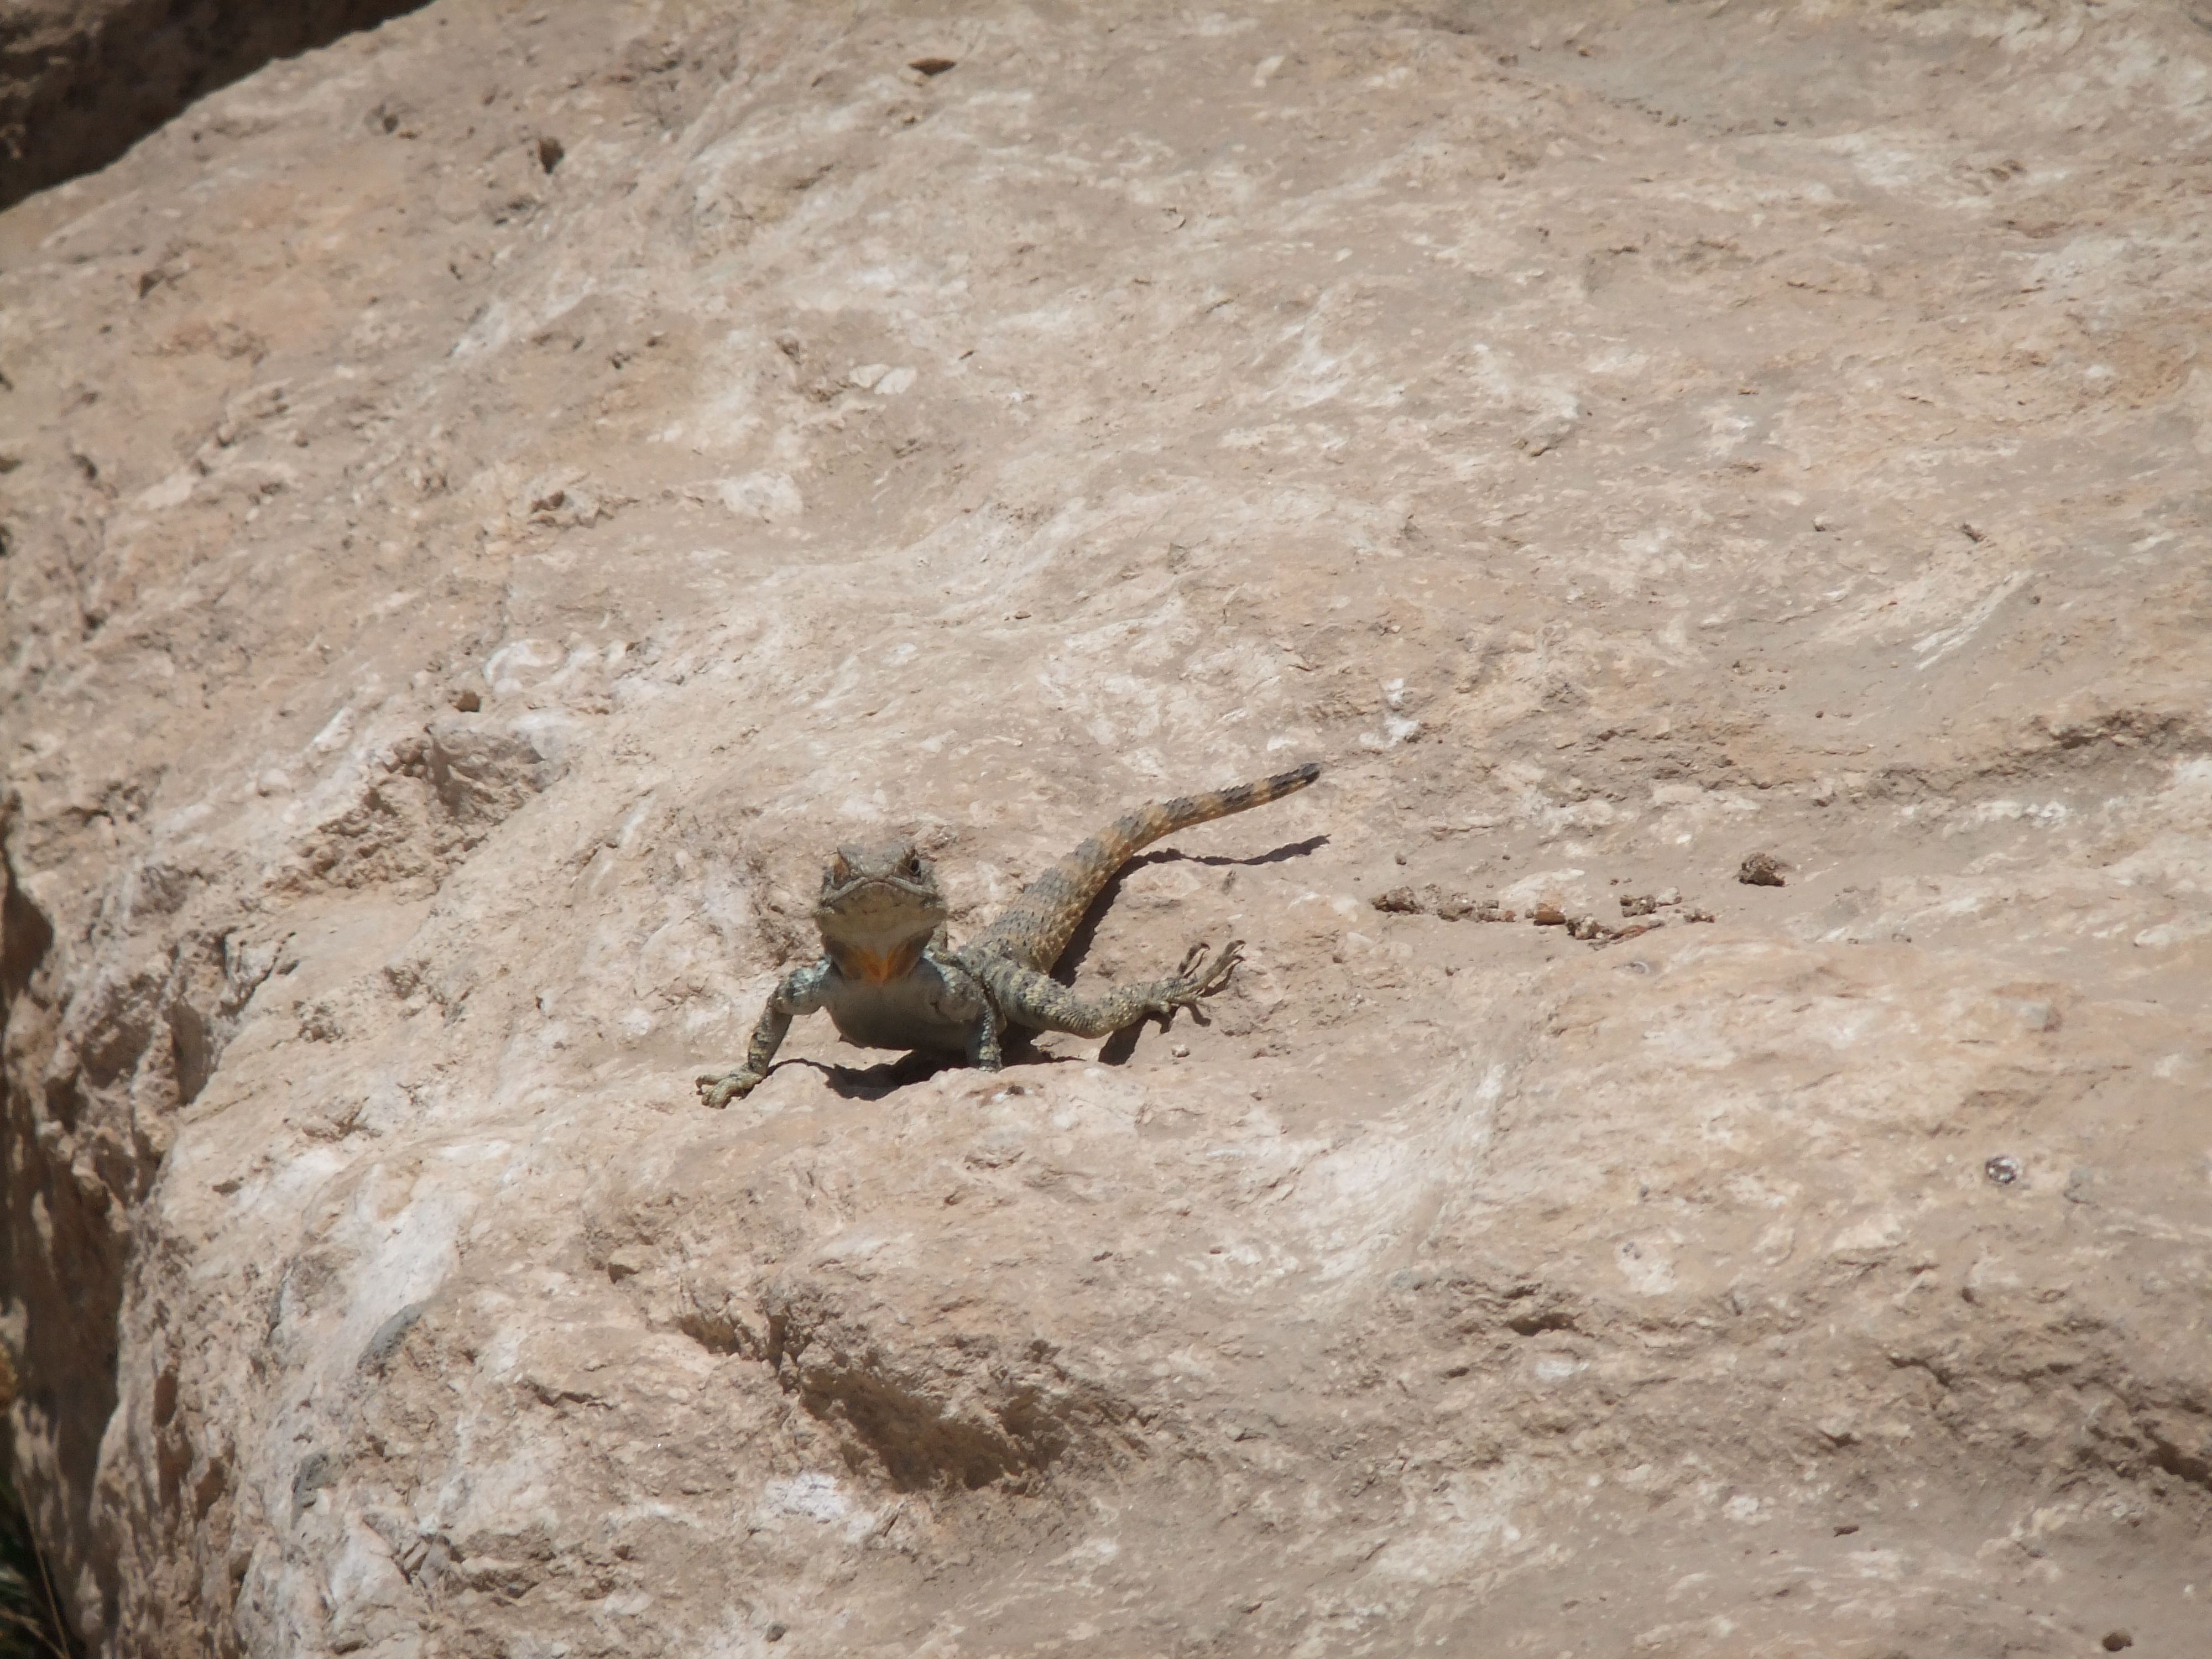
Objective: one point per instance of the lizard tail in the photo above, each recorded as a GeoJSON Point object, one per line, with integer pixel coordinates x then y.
{"type": "Point", "coordinates": [1036, 928]}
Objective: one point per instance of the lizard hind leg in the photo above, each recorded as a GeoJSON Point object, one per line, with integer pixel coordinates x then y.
{"type": "Point", "coordinates": [1029, 998]}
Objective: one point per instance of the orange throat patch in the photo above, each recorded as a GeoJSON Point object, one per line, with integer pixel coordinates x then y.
{"type": "Point", "coordinates": [864, 966]}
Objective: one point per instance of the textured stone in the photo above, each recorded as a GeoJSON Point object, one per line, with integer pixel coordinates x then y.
{"type": "Point", "coordinates": [82, 81]}
{"type": "Point", "coordinates": [464, 569]}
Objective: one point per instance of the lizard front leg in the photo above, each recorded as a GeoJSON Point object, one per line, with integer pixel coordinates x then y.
{"type": "Point", "coordinates": [799, 994]}
{"type": "Point", "coordinates": [963, 1001]}
{"type": "Point", "coordinates": [1025, 997]}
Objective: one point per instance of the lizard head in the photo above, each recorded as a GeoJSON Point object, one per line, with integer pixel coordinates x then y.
{"type": "Point", "coordinates": [878, 907]}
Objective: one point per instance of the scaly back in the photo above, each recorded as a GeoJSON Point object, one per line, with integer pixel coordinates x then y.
{"type": "Point", "coordinates": [1036, 928]}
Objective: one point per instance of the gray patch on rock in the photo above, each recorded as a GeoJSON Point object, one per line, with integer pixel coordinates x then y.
{"type": "Point", "coordinates": [389, 1338]}
{"type": "Point", "coordinates": [317, 1470]}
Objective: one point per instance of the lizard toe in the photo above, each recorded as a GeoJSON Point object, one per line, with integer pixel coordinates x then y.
{"type": "Point", "coordinates": [719, 1089]}
{"type": "Point", "coordinates": [1223, 965]}
{"type": "Point", "coordinates": [1197, 979]}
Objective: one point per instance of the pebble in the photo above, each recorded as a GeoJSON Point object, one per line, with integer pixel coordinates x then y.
{"type": "Point", "coordinates": [1760, 870]}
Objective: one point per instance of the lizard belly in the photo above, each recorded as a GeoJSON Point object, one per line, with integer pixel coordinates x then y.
{"type": "Point", "coordinates": [920, 1009]}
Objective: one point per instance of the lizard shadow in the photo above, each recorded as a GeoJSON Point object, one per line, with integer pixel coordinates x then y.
{"type": "Point", "coordinates": [1086, 931]}
{"type": "Point", "coordinates": [1119, 1048]}
{"type": "Point", "coordinates": [874, 1082]}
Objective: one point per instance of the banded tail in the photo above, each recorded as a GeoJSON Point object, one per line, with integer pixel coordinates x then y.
{"type": "Point", "coordinates": [1036, 928]}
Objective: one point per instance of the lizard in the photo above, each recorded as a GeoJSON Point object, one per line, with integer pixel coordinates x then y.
{"type": "Point", "coordinates": [889, 979]}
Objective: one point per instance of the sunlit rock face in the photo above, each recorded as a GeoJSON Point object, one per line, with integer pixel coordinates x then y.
{"type": "Point", "coordinates": [489, 505]}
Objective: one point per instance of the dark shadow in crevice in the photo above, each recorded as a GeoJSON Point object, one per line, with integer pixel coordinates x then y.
{"type": "Point", "coordinates": [31, 1615]}
{"type": "Point", "coordinates": [30, 1623]}
{"type": "Point", "coordinates": [82, 81]}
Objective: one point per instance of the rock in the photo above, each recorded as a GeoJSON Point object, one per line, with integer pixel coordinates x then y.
{"type": "Point", "coordinates": [451, 607]}
{"type": "Point", "coordinates": [484, 768]}
{"type": "Point", "coordinates": [82, 80]}
{"type": "Point", "coordinates": [1760, 870]}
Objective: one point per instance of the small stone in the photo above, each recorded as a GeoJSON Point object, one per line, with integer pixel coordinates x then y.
{"type": "Point", "coordinates": [2117, 1639]}
{"type": "Point", "coordinates": [933, 66]}
{"type": "Point", "coordinates": [1548, 916]}
{"type": "Point", "coordinates": [1180, 1050]}
{"type": "Point", "coordinates": [1760, 870]}
{"type": "Point", "coordinates": [2003, 1169]}
{"type": "Point", "coordinates": [777, 1630]}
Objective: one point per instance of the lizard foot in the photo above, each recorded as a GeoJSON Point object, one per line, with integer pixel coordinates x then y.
{"type": "Point", "coordinates": [719, 1089]}
{"type": "Point", "coordinates": [1198, 978]}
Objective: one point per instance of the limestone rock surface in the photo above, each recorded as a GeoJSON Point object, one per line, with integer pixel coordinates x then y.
{"type": "Point", "coordinates": [485, 505]}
